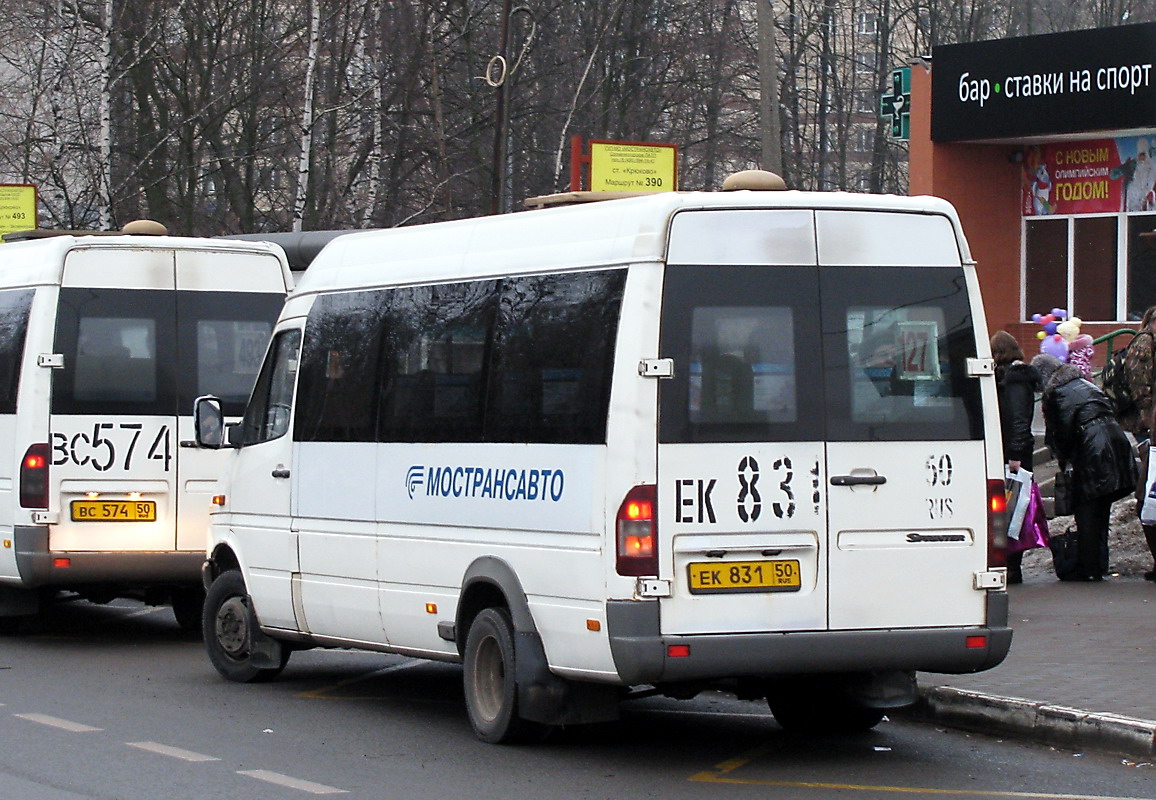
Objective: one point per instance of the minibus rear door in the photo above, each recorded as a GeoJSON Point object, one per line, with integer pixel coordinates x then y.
{"type": "Point", "coordinates": [741, 464]}
{"type": "Point", "coordinates": [114, 402]}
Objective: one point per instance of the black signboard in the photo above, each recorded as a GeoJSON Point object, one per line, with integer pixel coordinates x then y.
{"type": "Point", "coordinates": [1097, 80]}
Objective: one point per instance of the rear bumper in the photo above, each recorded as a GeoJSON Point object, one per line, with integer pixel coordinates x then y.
{"type": "Point", "coordinates": [640, 651]}
{"type": "Point", "coordinates": [37, 565]}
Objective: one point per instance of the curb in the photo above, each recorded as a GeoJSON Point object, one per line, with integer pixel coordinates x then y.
{"type": "Point", "coordinates": [1038, 721]}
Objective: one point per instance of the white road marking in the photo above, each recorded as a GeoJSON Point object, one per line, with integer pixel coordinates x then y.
{"type": "Point", "coordinates": [324, 691]}
{"type": "Point", "coordinates": [174, 752]}
{"type": "Point", "coordinates": [57, 722]}
{"type": "Point", "coordinates": [291, 783]}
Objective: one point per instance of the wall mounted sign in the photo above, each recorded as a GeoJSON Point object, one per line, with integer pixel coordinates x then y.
{"type": "Point", "coordinates": [1076, 82]}
{"type": "Point", "coordinates": [896, 106]}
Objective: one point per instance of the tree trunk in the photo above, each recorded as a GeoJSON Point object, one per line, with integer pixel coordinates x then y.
{"type": "Point", "coordinates": [304, 160]}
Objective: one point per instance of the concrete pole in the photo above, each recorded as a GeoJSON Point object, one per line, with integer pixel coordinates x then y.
{"type": "Point", "coordinates": [769, 119]}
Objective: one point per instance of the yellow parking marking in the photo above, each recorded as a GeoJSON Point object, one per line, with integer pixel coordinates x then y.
{"type": "Point", "coordinates": [719, 773]}
{"type": "Point", "coordinates": [326, 693]}
{"type": "Point", "coordinates": [722, 774]}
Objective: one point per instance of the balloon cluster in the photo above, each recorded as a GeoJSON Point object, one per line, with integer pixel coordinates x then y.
{"type": "Point", "coordinates": [1060, 333]}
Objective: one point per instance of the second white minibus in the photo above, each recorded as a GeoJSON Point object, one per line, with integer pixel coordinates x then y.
{"type": "Point", "coordinates": [104, 342]}
{"type": "Point", "coordinates": [743, 439]}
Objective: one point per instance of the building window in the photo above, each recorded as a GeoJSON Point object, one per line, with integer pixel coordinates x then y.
{"type": "Point", "coordinates": [1141, 264]}
{"type": "Point", "coordinates": [1045, 265]}
{"type": "Point", "coordinates": [1094, 247]}
{"type": "Point", "coordinates": [1082, 249]}
{"type": "Point", "coordinates": [867, 63]}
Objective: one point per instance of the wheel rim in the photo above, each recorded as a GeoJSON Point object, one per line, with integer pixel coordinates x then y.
{"type": "Point", "coordinates": [232, 626]}
{"type": "Point", "coordinates": [489, 678]}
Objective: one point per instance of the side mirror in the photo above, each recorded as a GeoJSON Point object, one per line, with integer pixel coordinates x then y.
{"type": "Point", "coordinates": [208, 422]}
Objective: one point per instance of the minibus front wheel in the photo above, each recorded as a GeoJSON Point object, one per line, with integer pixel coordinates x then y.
{"type": "Point", "coordinates": [490, 683]}
{"type": "Point", "coordinates": [237, 649]}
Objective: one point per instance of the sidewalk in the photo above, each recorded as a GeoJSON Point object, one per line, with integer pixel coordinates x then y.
{"type": "Point", "coordinates": [1081, 672]}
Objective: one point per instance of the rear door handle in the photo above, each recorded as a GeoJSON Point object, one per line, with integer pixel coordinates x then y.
{"type": "Point", "coordinates": [858, 480]}
{"type": "Point", "coordinates": [280, 472]}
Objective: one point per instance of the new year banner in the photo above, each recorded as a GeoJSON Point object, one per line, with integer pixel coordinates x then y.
{"type": "Point", "coordinates": [1090, 177]}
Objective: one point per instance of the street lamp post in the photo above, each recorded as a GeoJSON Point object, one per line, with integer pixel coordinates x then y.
{"type": "Point", "coordinates": [498, 166]}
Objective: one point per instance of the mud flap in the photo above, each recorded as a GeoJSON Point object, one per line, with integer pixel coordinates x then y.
{"type": "Point", "coordinates": [264, 651]}
{"type": "Point", "coordinates": [552, 700]}
{"type": "Point", "coordinates": [18, 602]}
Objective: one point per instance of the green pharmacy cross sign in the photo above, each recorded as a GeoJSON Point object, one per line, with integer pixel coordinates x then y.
{"type": "Point", "coordinates": [896, 106]}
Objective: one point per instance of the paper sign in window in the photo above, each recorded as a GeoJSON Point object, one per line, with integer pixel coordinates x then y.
{"type": "Point", "coordinates": [919, 351]}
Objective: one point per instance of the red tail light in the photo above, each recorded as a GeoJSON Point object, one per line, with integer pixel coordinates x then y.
{"type": "Point", "coordinates": [34, 477]}
{"type": "Point", "coordinates": [637, 532]}
{"type": "Point", "coordinates": [997, 522]}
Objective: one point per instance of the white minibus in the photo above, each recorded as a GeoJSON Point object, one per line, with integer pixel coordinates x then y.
{"type": "Point", "coordinates": [743, 440]}
{"type": "Point", "coordinates": [105, 340]}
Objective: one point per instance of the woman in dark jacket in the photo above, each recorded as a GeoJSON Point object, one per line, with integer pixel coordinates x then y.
{"type": "Point", "coordinates": [1083, 432]}
{"type": "Point", "coordinates": [1016, 386]}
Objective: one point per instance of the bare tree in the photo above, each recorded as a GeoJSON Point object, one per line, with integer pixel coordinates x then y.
{"type": "Point", "coordinates": [244, 115]}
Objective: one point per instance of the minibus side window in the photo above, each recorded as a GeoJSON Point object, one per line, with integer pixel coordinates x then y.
{"type": "Point", "coordinates": [340, 359]}
{"type": "Point", "coordinates": [434, 354]}
{"type": "Point", "coordinates": [14, 309]}
{"type": "Point", "coordinates": [553, 358]}
{"type": "Point", "coordinates": [269, 411]}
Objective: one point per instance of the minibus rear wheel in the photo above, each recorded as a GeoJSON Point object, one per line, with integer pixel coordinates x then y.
{"type": "Point", "coordinates": [489, 679]}
{"type": "Point", "coordinates": [225, 626]}
{"type": "Point", "coordinates": [815, 712]}
{"type": "Point", "coordinates": [188, 608]}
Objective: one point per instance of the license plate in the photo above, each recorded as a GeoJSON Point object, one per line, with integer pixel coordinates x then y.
{"type": "Point", "coordinates": [114, 511]}
{"type": "Point", "coordinates": [744, 576]}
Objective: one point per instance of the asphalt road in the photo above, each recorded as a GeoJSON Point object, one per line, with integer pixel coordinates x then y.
{"type": "Point", "coordinates": [115, 702]}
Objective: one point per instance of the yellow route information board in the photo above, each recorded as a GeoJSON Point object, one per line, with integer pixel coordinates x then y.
{"type": "Point", "coordinates": [633, 167]}
{"type": "Point", "coordinates": [17, 207]}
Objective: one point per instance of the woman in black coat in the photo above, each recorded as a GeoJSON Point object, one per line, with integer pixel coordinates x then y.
{"type": "Point", "coordinates": [1083, 432]}
{"type": "Point", "coordinates": [1016, 386]}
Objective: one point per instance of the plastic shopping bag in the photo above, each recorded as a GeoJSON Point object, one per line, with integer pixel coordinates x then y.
{"type": "Point", "coordinates": [1018, 486]}
{"type": "Point", "coordinates": [1148, 509]}
{"type": "Point", "coordinates": [1035, 530]}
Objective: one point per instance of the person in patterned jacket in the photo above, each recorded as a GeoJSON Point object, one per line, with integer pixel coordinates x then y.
{"type": "Point", "coordinates": [1140, 371]}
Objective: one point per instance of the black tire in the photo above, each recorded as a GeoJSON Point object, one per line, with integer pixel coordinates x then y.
{"type": "Point", "coordinates": [189, 608]}
{"type": "Point", "coordinates": [489, 679]}
{"type": "Point", "coordinates": [807, 712]}
{"type": "Point", "coordinates": [225, 626]}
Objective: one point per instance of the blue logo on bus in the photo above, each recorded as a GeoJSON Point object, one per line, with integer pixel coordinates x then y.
{"type": "Point", "coordinates": [413, 479]}
{"type": "Point", "coordinates": [496, 483]}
